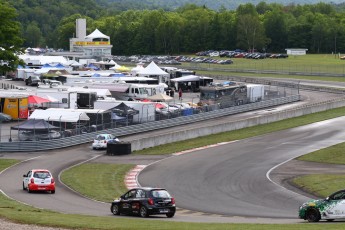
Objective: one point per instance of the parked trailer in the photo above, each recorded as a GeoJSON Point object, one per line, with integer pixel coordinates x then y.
{"type": "Point", "coordinates": [255, 92]}
{"type": "Point", "coordinates": [62, 98]}
{"type": "Point", "coordinates": [146, 109]}
{"type": "Point", "coordinates": [14, 105]}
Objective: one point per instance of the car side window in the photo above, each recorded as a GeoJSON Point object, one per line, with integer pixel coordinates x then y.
{"type": "Point", "coordinates": [140, 194]}
{"type": "Point", "coordinates": [29, 174]}
{"type": "Point", "coordinates": [339, 196]}
{"type": "Point", "coordinates": [130, 194]}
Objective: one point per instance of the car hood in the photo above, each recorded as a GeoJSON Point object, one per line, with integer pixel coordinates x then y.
{"type": "Point", "coordinates": [321, 204]}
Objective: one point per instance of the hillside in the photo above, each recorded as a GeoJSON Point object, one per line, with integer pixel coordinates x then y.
{"type": "Point", "coordinates": [212, 4]}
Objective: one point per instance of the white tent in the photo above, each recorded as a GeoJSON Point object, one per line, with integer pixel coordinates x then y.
{"type": "Point", "coordinates": [137, 69]}
{"type": "Point", "coordinates": [59, 115]}
{"type": "Point", "coordinates": [160, 97]}
{"type": "Point", "coordinates": [96, 34]}
{"type": "Point", "coordinates": [153, 69]}
{"type": "Point", "coordinates": [111, 62]}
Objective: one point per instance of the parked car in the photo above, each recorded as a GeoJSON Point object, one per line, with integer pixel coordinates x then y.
{"type": "Point", "coordinates": [5, 117]}
{"type": "Point", "coordinates": [39, 180]}
{"type": "Point", "coordinates": [333, 207]}
{"type": "Point", "coordinates": [32, 81]}
{"type": "Point", "coordinates": [101, 141]}
{"type": "Point", "coordinates": [145, 202]}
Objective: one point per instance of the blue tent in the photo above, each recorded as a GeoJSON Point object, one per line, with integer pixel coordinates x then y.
{"type": "Point", "coordinates": [46, 66]}
{"type": "Point", "coordinates": [59, 66]}
{"type": "Point", "coordinates": [93, 67]}
{"type": "Point", "coordinates": [117, 75]}
{"type": "Point", "coordinates": [96, 75]}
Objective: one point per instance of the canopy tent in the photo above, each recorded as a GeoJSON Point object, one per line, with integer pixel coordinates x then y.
{"type": "Point", "coordinates": [59, 66]}
{"type": "Point", "coordinates": [33, 99]}
{"type": "Point", "coordinates": [153, 69]}
{"type": "Point", "coordinates": [120, 68]}
{"type": "Point", "coordinates": [96, 34]}
{"type": "Point", "coordinates": [61, 116]}
{"type": "Point", "coordinates": [111, 62]}
{"type": "Point", "coordinates": [35, 124]}
{"type": "Point", "coordinates": [46, 66]}
{"type": "Point", "coordinates": [137, 69]}
{"type": "Point", "coordinates": [57, 72]}
{"type": "Point", "coordinates": [190, 82]}
{"type": "Point", "coordinates": [123, 110]}
{"type": "Point", "coordinates": [160, 97]}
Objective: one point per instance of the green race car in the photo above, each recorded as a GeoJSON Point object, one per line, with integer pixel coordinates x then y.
{"type": "Point", "coordinates": [331, 208]}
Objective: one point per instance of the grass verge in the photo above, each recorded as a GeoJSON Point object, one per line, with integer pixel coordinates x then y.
{"type": "Point", "coordinates": [322, 185]}
{"type": "Point", "coordinates": [109, 179]}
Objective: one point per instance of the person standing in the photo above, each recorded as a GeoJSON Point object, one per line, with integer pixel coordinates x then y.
{"type": "Point", "coordinates": [180, 94]}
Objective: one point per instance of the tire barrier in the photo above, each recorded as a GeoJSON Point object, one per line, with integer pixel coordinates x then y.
{"type": "Point", "coordinates": [119, 148]}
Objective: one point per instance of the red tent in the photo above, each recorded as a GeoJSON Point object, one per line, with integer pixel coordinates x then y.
{"type": "Point", "coordinates": [33, 99]}
{"type": "Point", "coordinates": [159, 106]}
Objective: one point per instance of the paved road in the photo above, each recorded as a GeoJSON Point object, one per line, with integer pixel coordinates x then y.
{"type": "Point", "coordinates": [233, 179]}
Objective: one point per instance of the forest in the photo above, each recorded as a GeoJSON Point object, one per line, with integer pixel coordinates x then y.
{"type": "Point", "coordinates": [212, 4]}
{"type": "Point", "coordinates": [266, 27]}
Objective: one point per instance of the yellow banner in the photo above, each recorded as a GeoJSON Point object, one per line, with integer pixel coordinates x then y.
{"type": "Point", "coordinates": [91, 43]}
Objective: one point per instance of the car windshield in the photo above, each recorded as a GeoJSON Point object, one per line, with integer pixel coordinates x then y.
{"type": "Point", "coordinates": [42, 175]}
{"type": "Point", "coordinates": [160, 194]}
{"type": "Point", "coordinates": [100, 137]}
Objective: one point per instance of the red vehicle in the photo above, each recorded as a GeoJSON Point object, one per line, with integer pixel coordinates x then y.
{"type": "Point", "coordinates": [39, 180]}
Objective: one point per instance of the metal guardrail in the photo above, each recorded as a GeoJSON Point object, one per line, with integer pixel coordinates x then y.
{"type": "Point", "coordinates": [30, 146]}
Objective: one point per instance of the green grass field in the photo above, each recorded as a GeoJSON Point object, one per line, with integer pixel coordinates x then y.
{"type": "Point", "coordinates": [310, 63]}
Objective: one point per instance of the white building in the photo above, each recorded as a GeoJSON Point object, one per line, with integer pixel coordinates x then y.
{"type": "Point", "coordinates": [296, 51]}
{"type": "Point", "coordinates": [95, 44]}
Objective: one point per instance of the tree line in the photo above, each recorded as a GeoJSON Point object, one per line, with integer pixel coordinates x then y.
{"type": "Point", "coordinates": [320, 28]}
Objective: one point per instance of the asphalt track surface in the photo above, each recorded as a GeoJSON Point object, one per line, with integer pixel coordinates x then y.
{"type": "Point", "coordinates": [234, 179]}
{"type": "Point", "coordinates": [230, 180]}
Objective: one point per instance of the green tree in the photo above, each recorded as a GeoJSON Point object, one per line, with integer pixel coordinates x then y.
{"type": "Point", "coordinates": [168, 34]}
{"type": "Point", "coordinates": [276, 30]}
{"type": "Point", "coordinates": [10, 40]}
{"type": "Point", "coordinates": [320, 31]}
{"type": "Point", "coordinates": [33, 35]}
{"type": "Point", "coordinates": [250, 32]}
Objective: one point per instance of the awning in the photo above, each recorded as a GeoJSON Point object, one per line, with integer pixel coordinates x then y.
{"type": "Point", "coordinates": [33, 99]}
{"type": "Point", "coordinates": [62, 116]}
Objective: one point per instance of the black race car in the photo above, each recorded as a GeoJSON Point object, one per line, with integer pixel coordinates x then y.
{"type": "Point", "coordinates": [145, 202]}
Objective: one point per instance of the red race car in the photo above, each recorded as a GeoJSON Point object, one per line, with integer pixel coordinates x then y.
{"type": "Point", "coordinates": [39, 180]}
